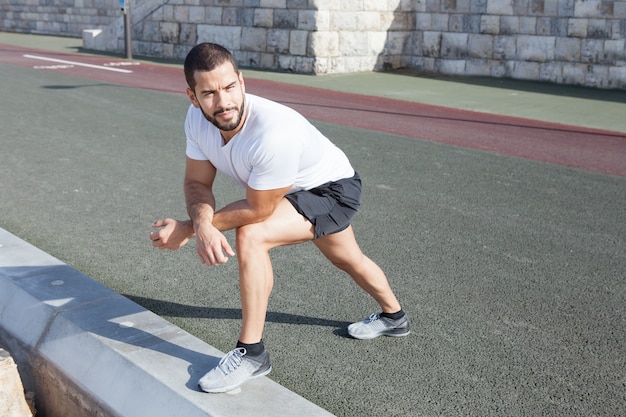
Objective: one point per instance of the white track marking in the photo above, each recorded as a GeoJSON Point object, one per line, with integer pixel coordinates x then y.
{"type": "Point", "coordinates": [80, 64]}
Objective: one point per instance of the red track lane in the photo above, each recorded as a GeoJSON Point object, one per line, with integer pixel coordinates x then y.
{"type": "Point", "coordinates": [579, 147]}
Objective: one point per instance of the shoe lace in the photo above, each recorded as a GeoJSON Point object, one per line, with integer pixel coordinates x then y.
{"type": "Point", "coordinates": [372, 317]}
{"type": "Point", "coordinates": [232, 360]}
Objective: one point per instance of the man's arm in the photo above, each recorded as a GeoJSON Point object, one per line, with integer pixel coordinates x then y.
{"type": "Point", "coordinates": [198, 185]}
{"type": "Point", "coordinates": [258, 206]}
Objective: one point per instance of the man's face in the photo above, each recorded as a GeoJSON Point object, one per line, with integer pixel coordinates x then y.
{"type": "Point", "coordinates": [220, 95]}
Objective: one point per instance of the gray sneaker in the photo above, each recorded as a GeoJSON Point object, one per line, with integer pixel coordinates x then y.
{"type": "Point", "coordinates": [375, 326]}
{"type": "Point", "coordinates": [234, 369]}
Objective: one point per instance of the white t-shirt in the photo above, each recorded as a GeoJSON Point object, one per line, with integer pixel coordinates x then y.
{"type": "Point", "coordinates": [275, 148]}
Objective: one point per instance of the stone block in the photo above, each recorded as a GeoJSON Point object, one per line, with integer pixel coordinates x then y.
{"type": "Point", "coordinates": [169, 51]}
{"type": "Point", "coordinates": [535, 48]}
{"type": "Point", "coordinates": [253, 39]}
{"type": "Point", "coordinates": [619, 10]}
{"type": "Point", "coordinates": [278, 41]}
{"type": "Point", "coordinates": [480, 46]}
{"type": "Point", "coordinates": [454, 45]}
{"type": "Point", "coordinates": [285, 19]}
{"type": "Point", "coordinates": [587, 8]}
{"type": "Point", "coordinates": [268, 61]}
{"type": "Point", "coordinates": [502, 69]}
{"type": "Point", "coordinates": [455, 23]}
{"type": "Point", "coordinates": [551, 8]}
{"type": "Point", "coordinates": [423, 64]}
{"type": "Point", "coordinates": [170, 32]}
{"type": "Point", "coordinates": [598, 29]}
{"type": "Point", "coordinates": [500, 7]}
{"type": "Point", "coordinates": [566, 8]}
{"type": "Point", "coordinates": [324, 44]}
{"type": "Point", "coordinates": [213, 15]}
{"type": "Point", "coordinates": [397, 42]}
{"type": "Point", "coordinates": [307, 20]}
{"type": "Point", "coordinates": [229, 16]}
{"type": "Point", "coordinates": [302, 65]}
{"type": "Point", "coordinates": [577, 27]}
{"type": "Point", "coordinates": [509, 25]}
{"type": "Point", "coordinates": [168, 12]}
{"type": "Point", "coordinates": [187, 35]}
{"type": "Point", "coordinates": [350, 44]}
{"type": "Point", "coordinates": [431, 45]}
{"type": "Point", "coordinates": [326, 5]}
{"type": "Point", "coordinates": [297, 4]}
{"type": "Point", "coordinates": [617, 77]}
{"type": "Point", "coordinates": [376, 42]}
{"type": "Point", "coordinates": [196, 14]}
{"type": "Point", "coordinates": [490, 24]}
{"type": "Point", "coordinates": [524, 70]}
{"type": "Point", "coordinates": [591, 51]}
{"type": "Point", "coordinates": [551, 72]}
{"type": "Point", "coordinates": [263, 18]}
{"type": "Point", "coordinates": [227, 36]}
{"type": "Point", "coordinates": [368, 21]}
{"type": "Point", "coordinates": [440, 21]}
{"type": "Point", "coordinates": [614, 51]}
{"type": "Point", "coordinates": [298, 42]}
{"type": "Point", "coordinates": [322, 20]}
{"type": "Point", "coordinates": [544, 26]}
{"type": "Point", "coordinates": [597, 76]}
{"type": "Point", "coordinates": [273, 4]}
{"type": "Point", "coordinates": [181, 13]}
{"type": "Point", "coordinates": [567, 49]}
{"type": "Point", "coordinates": [353, 6]}
{"type": "Point", "coordinates": [574, 73]}
{"type": "Point", "coordinates": [397, 20]}
{"type": "Point", "coordinates": [321, 65]}
{"type": "Point", "coordinates": [343, 21]}
{"type": "Point", "coordinates": [451, 66]}
{"type": "Point", "coordinates": [504, 47]}
{"type": "Point", "coordinates": [416, 6]}
{"type": "Point", "coordinates": [477, 67]}
{"type": "Point", "coordinates": [424, 21]}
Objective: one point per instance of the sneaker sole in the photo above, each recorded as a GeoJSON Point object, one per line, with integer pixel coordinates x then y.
{"type": "Point", "coordinates": [232, 387]}
{"type": "Point", "coordinates": [388, 334]}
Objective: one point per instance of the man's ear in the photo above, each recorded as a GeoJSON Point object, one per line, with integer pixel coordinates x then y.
{"type": "Point", "coordinates": [192, 98]}
{"type": "Point", "coordinates": [240, 76]}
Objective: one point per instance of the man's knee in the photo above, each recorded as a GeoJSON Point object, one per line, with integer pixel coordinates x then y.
{"type": "Point", "coordinates": [250, 236]}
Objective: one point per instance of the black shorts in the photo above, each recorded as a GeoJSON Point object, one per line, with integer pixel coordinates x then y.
{"type": "Point", "coordinates": [331, 206]}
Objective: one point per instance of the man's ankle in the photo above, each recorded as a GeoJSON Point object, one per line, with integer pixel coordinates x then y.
{"type": "Point", "coordinates": [252, 349]}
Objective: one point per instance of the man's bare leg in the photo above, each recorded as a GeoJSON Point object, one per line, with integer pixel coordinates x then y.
{"type": "Point", "coordinates": [344, 252]}
{"type": "Point", "coordinates": [256, 278]}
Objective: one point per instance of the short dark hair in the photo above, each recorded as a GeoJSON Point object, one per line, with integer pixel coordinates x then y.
{"type": "Point", "coordinates": [206, 57]}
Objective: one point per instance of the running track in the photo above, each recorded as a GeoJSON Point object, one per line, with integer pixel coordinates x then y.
{"type": "Point", "coordinates": [578, 147]}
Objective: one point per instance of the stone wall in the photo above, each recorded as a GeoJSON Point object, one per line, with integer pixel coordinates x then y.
{"type": "Point", "coordinates": [57, 17]}
{"type": "Point", "coordinates": [580, 42]}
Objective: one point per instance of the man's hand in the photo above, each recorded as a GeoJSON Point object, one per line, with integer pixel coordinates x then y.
{"type": "Point", "coordinates": [211, 245]}
{"type": "Point", "coordinates": [174, 234]}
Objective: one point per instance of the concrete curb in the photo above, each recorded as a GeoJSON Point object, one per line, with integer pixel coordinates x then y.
{"type": "Point", "coordinates": [86, 350]}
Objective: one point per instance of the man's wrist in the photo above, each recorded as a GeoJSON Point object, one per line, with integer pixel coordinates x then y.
{"type": "Point", "coordinates": [188, 225]}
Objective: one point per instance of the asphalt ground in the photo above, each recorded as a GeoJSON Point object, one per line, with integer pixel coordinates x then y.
{"type": "Point", "coordinates": [511, 268]}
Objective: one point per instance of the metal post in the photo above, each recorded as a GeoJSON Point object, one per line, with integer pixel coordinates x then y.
{"type": "Point", "coordinates": [125, 5]}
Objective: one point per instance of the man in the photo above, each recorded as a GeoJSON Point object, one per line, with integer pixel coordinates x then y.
{"type": "Point", "coordinates": [298, 187]}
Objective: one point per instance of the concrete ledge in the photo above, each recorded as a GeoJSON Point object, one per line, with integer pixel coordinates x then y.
{"type": "Point", "coordinates": [93, 39]}
{"type": "Point", "coordinates": [87, 350]}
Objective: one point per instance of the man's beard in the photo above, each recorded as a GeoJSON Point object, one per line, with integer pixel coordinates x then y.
{"type": "Point", "coordinates": [229, 126]}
